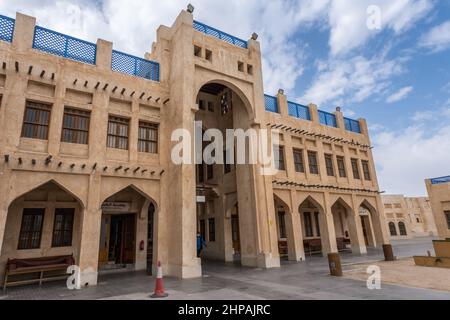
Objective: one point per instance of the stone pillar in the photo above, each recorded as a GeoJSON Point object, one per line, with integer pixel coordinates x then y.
{"type": "Point", "coordinates": [90, 234]}
{"type": "Point", "coordinates": [23, 33]}
{"type": "Point", "coordinates": [178, 208]}
{"type": "Point", "coordinates": [104, 54]}
{"type": "Point", "coordinates": [282, 103]}
{"type": "Point", "coordinates": [314, 113]}
{"type": "Point", "coordinates": [294, 232]}
{"type": "Point", "coordinates": [57, 115]}
{"type": "Point", "coordinates": [5, 180]}
{"type": "Point", "coordinates": [327, 230]}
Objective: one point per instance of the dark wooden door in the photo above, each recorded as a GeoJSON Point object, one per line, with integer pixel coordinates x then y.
{"type": "Point", "coordinates": [128, 239]}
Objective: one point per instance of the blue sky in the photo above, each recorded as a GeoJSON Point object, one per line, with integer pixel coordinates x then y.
{"type": "Point", "coordinates": [320, 51]}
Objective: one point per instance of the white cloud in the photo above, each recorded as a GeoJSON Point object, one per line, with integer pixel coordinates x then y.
{"type": "Point", "coordinates": [348, 20]}
{"type": "Point", "coordinates": [406, 158]}
{"type": "Point", "coordinates": [351, 80]}
{"type": "Point", "coordinates": [438, 38]}
{"type": "Point", "coordinates": [399, 95]}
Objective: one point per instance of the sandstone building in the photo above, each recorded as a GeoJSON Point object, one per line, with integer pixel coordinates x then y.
{"type": "Point", "coordinates": [86, 169]}
{"type": "Point", "coordinates": [439, 193]}
{"type": "Point", "coordinates": [408, 217]}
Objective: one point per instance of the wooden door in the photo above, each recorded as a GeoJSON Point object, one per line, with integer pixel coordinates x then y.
{"type": "Point", "coordinates": [104, 240]}
{"type": "Point", "coordinates": [364, 228]}
{"type": "Point", "coordinates": [128, 247]}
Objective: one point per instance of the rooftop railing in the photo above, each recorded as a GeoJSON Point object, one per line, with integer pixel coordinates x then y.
{"type": "Point", "coordinates": [299, 111]}
{"type": "Point", "coordinates": [135, 66]}
{"type": "Point", "coordinates": [219, 34]}
{"type": "Point", "coordinates": [271, 103]}
{"type": "Point", "coordinates": [352, 125]}
{"type": "Point", "coordinates": [64, 46]}
{"type": "Point", "coordinates": [6, 28]}
{"type": "Point", "coordinates": [327, 119]}
{"type": "Point", "coordinates": [440, 180]}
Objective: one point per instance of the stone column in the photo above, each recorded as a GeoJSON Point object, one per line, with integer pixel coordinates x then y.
{"type": "Point", "coordinates": [90, 233]}
{"type": "Point", "coordinates": [23, 33]}
{"type": "Point", "coordinates": [327, 230]}
{"type": "Point", "coordinates": [294, 231]}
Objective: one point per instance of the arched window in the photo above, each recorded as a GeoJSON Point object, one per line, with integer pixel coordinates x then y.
{"type": "Point", "coordinates": [402, 228]}
{"type": "Point", "coordinates": [392, 229]}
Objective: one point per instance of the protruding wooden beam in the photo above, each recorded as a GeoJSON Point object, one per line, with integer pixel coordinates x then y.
{"type": "Point", "coordinates": [30, 70]}
{"type": "Point", "coordinates": [105, 86]}
{"type": "Point", "coordinates": [97, 85]}
{"type": "Point", "coordinates": [17, 66]}
{"type": "Point", "coordinates": [42, 74]}
{"type": "Point", "coordinates": [142, 95]}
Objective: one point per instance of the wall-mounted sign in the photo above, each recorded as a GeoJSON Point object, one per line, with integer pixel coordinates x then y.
{"type": "Point", "coordinates": [116, 206]}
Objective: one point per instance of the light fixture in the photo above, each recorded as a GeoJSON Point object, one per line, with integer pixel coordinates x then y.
{"type": "Point", "coordinates": [190, 8]}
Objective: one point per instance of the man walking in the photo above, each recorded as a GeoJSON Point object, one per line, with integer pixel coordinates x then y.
{"type": "Point", "coordinates": [201, 243]}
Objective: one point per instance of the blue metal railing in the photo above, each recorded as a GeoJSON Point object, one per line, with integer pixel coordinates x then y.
{"type": "Point", "coordinates": [271, 103]}
{"type": "Point", "coordinates": [135, 66]}
{"type": "Point", "coordinates": [299, 111]}
{"type": "Point", "coordinates": [63, 45]}
{"type": "Point", "coordinates": [327, 119]}
{"type": "Point", "coordinates": [6, 28]}
{"type": "Point", "coordinates": [352, 125]}
{"type": "Point", "coordinates": [219, 34]}
{"type": "Point", "coordinates": [440, 180]}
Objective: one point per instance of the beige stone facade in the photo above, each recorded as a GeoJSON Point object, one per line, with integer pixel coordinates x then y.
{"type": "Point", "coordinates": [439, 193]}
{"type": "Point", "coordinates": [408, 217]}
{"type": "Point", "coordinates": [130, 206]}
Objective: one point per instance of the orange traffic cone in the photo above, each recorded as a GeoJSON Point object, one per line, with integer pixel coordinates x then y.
{"type": "Point", "coordinates": [159, 287]}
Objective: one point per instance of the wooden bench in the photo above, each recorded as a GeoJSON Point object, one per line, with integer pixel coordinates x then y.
{"type": "Point", "coordinates": [312, 246]}
{"type": "Point", "coordinates": [41, 266]}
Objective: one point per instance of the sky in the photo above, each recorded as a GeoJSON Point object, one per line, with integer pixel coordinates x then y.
{"type": "Point", "coordinates": [387, 61]}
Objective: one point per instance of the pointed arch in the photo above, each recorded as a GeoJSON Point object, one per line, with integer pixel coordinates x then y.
{"type": "Point", "coordinates": [316, 203]}
{"type": "Point", "coordinates": [368, 206]}
{"type": "Point", "coordinates": [50, 181]}
{"type": "Point", "coordinates": [344, 203]}
{"type": "Point", "coordinates": [278, 198]}
{"type": "Point", "coordinates": [135, 188]}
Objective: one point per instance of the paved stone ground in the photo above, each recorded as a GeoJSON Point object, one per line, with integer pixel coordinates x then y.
{"type": "Point", "coordinates": [306, 280]}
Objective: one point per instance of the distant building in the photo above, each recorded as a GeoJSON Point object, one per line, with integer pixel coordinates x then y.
{"type": "Point", "coordinates": [409, 217]}
{"type": "Point", "coordinates": [439, 193]}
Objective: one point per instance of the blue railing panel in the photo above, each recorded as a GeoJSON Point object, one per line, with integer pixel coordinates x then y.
{"type": "Point", "coordinates": [298, 111]}
{"type": "Point", "coordinates": [201, 27]}
{"type": "Point", "coordinates": [6, 28]}
{"type": "Point", "coordinates": [63, 45]}
{"type": "Point", "coordinates": [440, 180]}
{"type": "Point", "coordinates": [352, 125]}
{"type": "Point", "coordinates": [327, 119]}
{"type": "Point", "coordinates": [135, 66]}
{"type": "Point", "coordinates": [271, 103]}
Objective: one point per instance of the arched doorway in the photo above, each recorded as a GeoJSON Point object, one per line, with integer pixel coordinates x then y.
{"type": "Point", "coordinates": [282, 219]}
{"type": "Point", "coordinates": [310, 217]}
{"type": "Point", "coordinates": [342, 225]}
{"type": "Point", "coordinates": [44, 222]}
{"type": "Point", "coordinates": [127, 230]}
{"type": "Point", "coordinates": [224, 209]}
{"type": "Point", "coordinates": [366, 212]}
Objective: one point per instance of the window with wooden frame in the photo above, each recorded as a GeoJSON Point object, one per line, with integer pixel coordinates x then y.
{"type": "Point", "coordinates": [317, 221]}
{"type": "Point", "coordinates": [118, 133]}
{"type": "Point", "coordinates": [308, 224]}
{"type": "Point", "coordinates": [63, 227]}
{"type": "Point", "coordinates": [36, 120]}
{"type": "Point", "coordinates": [31, 229]}
{"type": "Point", "coordinates": [282, 224]}
{"type": "Point", "coordinates": [392, 229]}
{"type": "Point", "coordinates": [341, 166]}
{"type": "Point", "coordinates": [279, 157]}
{"type": "Point", "coordinates": [355, 169]}
{"type": "Point", "coordinates": [329, 165]}
{"type": "Point", "coordinates": [148, 137]}
{"type": "Point", "coordinates": [212, 230]}
{"type": "Point", "coordinates": [75, 127]}
{"type": "Point", "coordinates": [366, 170]}
{"type": "Point", "coordinates": [447, 216]}
{"type": "Point", "coordinates": [313, 165]}
{"type": "Point", "coordinates": [298, 160]}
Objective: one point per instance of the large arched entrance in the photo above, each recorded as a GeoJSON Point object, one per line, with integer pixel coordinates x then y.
{"type": "Point", "coordinates": [127, 234]}
{"type": "Point", "coordinates": [44, 222]}
{"type": "Point", "coordinates": [342, 225]}
{"type": "Point", "coordinates": [224, 208]}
